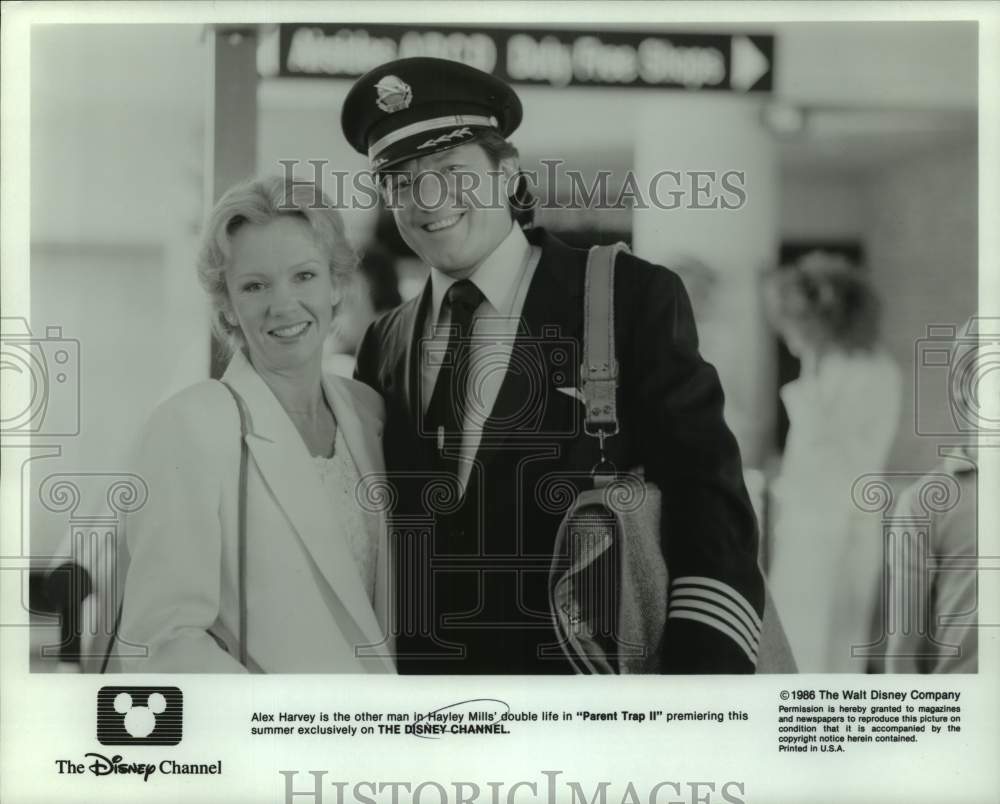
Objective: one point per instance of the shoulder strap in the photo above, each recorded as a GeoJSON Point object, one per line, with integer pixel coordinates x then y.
{"type": "Point", "coordinates": [241, 525]}
{"type": "Point", "coordinates": [599, 372]}
{"type": "Point", "coordinates": [241, 549]}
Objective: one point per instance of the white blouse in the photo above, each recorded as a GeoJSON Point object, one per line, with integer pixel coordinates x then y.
{"type": "Point", "coordinates": [340, 478]}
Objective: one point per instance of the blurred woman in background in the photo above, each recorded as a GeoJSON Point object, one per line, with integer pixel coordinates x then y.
{"type": "Point", "coordinates": [843, 412]}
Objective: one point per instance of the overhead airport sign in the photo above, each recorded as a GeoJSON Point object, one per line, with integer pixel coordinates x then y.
{"type": "Point", "coordinates": [719, 62]}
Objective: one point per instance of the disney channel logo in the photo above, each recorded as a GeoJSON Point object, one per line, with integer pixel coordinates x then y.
{"type": "Point", "coordinates": [139, 715]}
{"type": "Point", "coordinates": [100, 765]}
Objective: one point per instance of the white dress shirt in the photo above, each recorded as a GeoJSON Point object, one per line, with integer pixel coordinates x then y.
{"type": "Point", "coordinates": [503, 278]}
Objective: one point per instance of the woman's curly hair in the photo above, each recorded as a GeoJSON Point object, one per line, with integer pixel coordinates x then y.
{"type": "Point", "coordinates": [829, 301]}
{"type": "Point", "coordinates": [259, 201]}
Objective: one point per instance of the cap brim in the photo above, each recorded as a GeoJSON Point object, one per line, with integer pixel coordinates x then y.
{"type": "Point", "coordinates": [424, 143]}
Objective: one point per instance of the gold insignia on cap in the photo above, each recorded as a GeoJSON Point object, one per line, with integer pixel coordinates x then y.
{"type": "Point", "coordinates": [465, 131]}
{"type": "Point", "coordinates": [394, 94]}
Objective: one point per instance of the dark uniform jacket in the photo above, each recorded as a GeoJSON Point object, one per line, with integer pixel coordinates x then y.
{"type": "Point", "coordinates": [473, 570]}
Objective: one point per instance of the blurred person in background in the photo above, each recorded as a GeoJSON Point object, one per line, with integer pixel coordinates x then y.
{"type": "Point", "coordinates": [273, 262]}
{"type": "Point", "coordinates": [843, 413]}
{"type": "Point", "coordinates": [939, 631]}
{"type": "Point", "coordinates": [373, 291]}
{"type": "Point", "coordinates": [940, 604]}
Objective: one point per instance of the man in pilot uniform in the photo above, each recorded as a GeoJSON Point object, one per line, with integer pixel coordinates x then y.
{"type": "Point", "coordinates": [480, 375]}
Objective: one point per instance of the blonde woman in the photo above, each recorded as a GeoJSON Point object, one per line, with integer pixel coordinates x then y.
{"type": "Point", "coordinates": [311, 593]}
{"type": "Point", "coordinates": [843, 412]}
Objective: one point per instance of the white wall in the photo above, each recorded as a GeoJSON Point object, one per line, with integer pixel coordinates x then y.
{"type": "Point", "coordinates": [890, 65]}
{"type": "Point", "coordinates": [821, 207]}
{"type": "Point", "coordinates": [922, 240]}
{"type": "Point", "coordinates": [117, 150]}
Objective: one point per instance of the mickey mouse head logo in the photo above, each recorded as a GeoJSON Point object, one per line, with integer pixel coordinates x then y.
{"type": "Point", "coordinates": [144, 715]}
{"type": "Point", "coordinates": [140, 720]}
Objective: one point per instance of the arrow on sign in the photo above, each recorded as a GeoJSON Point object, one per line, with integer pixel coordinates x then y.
{"type": "Point", "coordinates": [749, 64]}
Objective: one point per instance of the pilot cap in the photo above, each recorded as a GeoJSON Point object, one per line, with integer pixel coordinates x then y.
{"type": "Point", "coordinates": [413, 107]}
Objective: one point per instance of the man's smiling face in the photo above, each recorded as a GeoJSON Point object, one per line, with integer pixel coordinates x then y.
{"type": "Point", "coordinates": [451, 206]}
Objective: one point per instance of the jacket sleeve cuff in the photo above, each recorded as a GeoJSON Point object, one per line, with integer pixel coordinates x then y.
{"type": "Point", "coordinates": [711, 628]}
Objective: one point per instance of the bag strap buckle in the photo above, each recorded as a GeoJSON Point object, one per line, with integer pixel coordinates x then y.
{"type": "Point", "coordinates": [599, 372]}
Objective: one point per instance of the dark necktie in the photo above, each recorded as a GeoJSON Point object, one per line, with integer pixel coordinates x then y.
{"type": "Point", "coordinates": [446, 411]}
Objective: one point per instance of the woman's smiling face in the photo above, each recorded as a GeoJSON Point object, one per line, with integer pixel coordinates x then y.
{"type": "Point", "coordinates": [280, 292]}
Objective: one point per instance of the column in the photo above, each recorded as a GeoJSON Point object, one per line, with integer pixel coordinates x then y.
{"type": "Point", "coordinates": [719, 252]}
